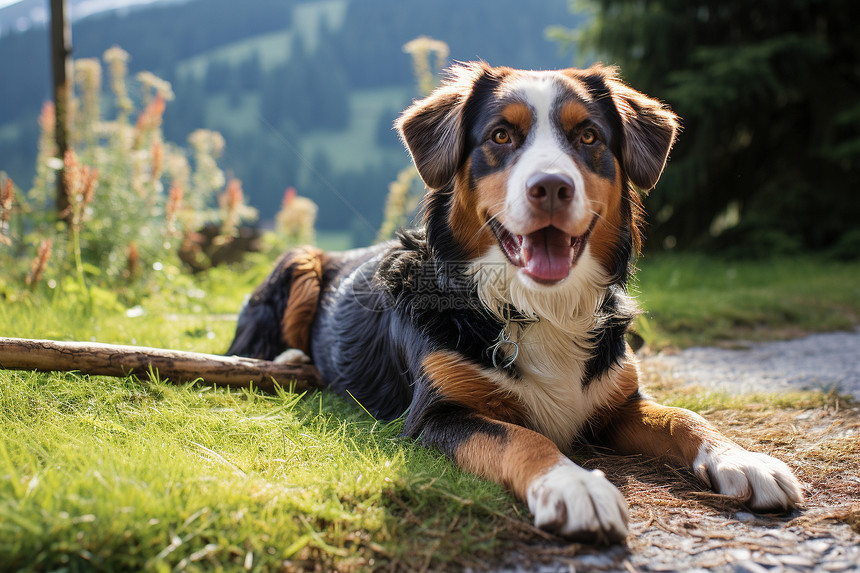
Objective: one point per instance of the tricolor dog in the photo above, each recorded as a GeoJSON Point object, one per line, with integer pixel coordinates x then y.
{"type": "Point", "coordinates": [497, 328]}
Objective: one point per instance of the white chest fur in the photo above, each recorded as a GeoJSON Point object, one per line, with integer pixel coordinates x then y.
{"type": "Point", "coordinates": [554, 349]}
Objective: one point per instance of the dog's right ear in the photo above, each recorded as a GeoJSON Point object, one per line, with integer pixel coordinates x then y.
{"type": "Point", "coordinates": [432, 128]}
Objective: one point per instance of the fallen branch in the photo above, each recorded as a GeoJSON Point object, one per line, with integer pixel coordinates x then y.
{"type": "Point", "coordinates": [176, 366]}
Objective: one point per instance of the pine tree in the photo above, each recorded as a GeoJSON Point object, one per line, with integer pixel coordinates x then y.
{"type": "Point", "coordinates": [769, 94]}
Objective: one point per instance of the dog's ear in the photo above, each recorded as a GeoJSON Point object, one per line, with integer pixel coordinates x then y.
{"type": "Point", "coordinates": [432, 128]}
{"type": "Point", "coordinates": [649, 129]}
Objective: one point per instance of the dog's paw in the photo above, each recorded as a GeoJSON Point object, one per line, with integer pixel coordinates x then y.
{"type": "Point", "coordinates": [292, 356]}
{"type": "Point", "coordinates": [578, 504]}
{"type": "Point", "coordinates": [763, 482]}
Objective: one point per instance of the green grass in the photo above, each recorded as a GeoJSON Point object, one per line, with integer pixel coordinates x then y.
{"type": "Point", "coordinates": [126, 474]}
{"type": "Point", "coordinates": [100, 473]}
{"type": "Point", "coordinates": [108, 474]}
{"type": "Point", "coordinates": [693, 300]}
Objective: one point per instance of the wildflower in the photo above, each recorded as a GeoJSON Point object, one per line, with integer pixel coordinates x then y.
{"type": "Point", "coordinates": [150, 82]}
{"type": "Point", "coordinates": [45, 171]}
{"type": "Point", "coordinates": [397, 204]}
{"type": "Point", "coordinates": [289, 196]}
{"type": "Point", "coordinates": [89, 177]}
{"type": "Point", "coordinates": [208, 178]}
{"type": "Point", "coordinates": [173, 207]}
{"type": "Point", "coordinates": [207, 141]}
{"type": "Point", "coordinates": [296, 218]}
{"type": "Point", "coordinates": [149, 119]}
{"type": "Point", "coordinates": [157, 159]}
{"type": "Point", "coordinates": [39, 263]}
{"type": "Point", "coordinates": [117, 61]}
{"type": "Point", "coordinates": [233, 208]}
{"type": "Point", "coordinates": [137, 162]}
{"type": "Point", "coordinates": [177, 168]}
{"type": "Point", "coordinates": [47, 118]}
{"type": "Point", "coordinates": [421, 49]}
{"type": "Point", "coordinates": [81, 182]}
{"type": "Point", "coordinates": [88, 75]}
{"type": "Point", "coordinates": [7, 196]}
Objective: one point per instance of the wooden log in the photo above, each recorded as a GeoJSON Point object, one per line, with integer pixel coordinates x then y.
{"type": "Point", "coordinates": [176, 366]}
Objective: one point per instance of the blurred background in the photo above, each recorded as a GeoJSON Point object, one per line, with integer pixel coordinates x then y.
{"type": "Point", "coordinates": [304, 93]}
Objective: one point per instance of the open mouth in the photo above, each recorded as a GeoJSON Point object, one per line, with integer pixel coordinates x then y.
{"type": "Point", "coordinates": [545, 255]}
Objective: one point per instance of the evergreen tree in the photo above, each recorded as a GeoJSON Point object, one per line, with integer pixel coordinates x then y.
{"type": "Point", "coordinates": [769, 94]}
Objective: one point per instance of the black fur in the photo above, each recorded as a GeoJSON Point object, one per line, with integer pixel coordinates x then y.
{"type": "Point", "coordinates": [610, 345]}
{"type": "Point", "coordinates": [258, 331]}
{"type": "Point", "coordinates": [383, 310]}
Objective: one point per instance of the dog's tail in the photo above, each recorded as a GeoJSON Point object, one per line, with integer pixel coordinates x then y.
{"type": "Point", "coordinates": [279, 314]}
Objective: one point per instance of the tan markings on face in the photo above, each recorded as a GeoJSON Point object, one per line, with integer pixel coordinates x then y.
{"type": "Point", "coordinates": [490, 157]}
{"type": "Point", "coordinates": [472, 207]}
{"type": "Point", "coordinates": [572, 114]}
{"type": "Point", "coordinates": [604, 199]}
{"type": "Point", "coordinates": [519, 115]}
{"type": "Point", "coordinates": [462, 382]}
{"type": "Point", "coordinates": [513, 460]}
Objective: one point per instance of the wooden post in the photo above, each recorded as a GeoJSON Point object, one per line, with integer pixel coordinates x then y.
{"type": "Point", "coordinates": [61, 59]}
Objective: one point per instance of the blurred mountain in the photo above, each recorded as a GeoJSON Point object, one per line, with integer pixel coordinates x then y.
{"type": "Point", "coordinates": [27, 14]}
{"type": "Point", "coordinates": [305, 92]}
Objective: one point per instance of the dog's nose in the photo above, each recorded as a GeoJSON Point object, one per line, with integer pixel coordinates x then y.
{"type": "Point", "coordinates": [549, 191]}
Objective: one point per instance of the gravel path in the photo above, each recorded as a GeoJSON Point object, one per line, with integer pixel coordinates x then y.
{"type": "Point", "coordinates": [815, 362]}
{"type": "Point", "coordinates": [671, 531]}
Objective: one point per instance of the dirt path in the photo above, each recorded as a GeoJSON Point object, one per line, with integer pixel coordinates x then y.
{"type": "Point", "coordinates": [676, 526]}
{"type": "Point", "coordinates": [815, 362]}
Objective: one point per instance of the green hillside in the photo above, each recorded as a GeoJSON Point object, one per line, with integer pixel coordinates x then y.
{"type": "Point", "coordinates": [274, 48]}
{"type": "Point", "coordinates": [304, 92]}
{"type": "Point", "coordinates": [356, 147]}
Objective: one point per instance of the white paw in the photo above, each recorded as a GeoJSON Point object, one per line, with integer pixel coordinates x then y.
{"type": "Point", "coordinates": [292, 356]}
{"type": "Point", "coordinates": [578, 504]}
{"type": "Point", "coordinates": [764, 482]}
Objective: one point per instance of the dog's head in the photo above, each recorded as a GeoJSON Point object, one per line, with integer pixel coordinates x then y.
{"type": "Point", "coordinates": [539, 165]}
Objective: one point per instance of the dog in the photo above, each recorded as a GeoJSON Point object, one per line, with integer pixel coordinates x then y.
{"type": "Point", "coordinates": [498, 327]}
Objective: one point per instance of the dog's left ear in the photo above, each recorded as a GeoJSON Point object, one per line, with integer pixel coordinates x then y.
{"type": "Point", "coordinates": [649, 129]}
{"type": "Point", "coordinates": [432, 128]}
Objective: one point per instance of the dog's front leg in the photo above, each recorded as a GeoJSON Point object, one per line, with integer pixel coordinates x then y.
{"type": "Point", "coordinates": [642, 426]}
{"type": "Point", "coordinates": [563, 497]}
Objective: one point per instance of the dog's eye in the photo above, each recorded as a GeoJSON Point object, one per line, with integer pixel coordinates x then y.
{"type": "Point", "coordinates": [501, 137]}
{"type": "Point", "coordinates": [588, 136]}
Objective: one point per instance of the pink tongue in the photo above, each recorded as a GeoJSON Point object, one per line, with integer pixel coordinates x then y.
{"type": "Point", "coordinates": [548, 254]}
